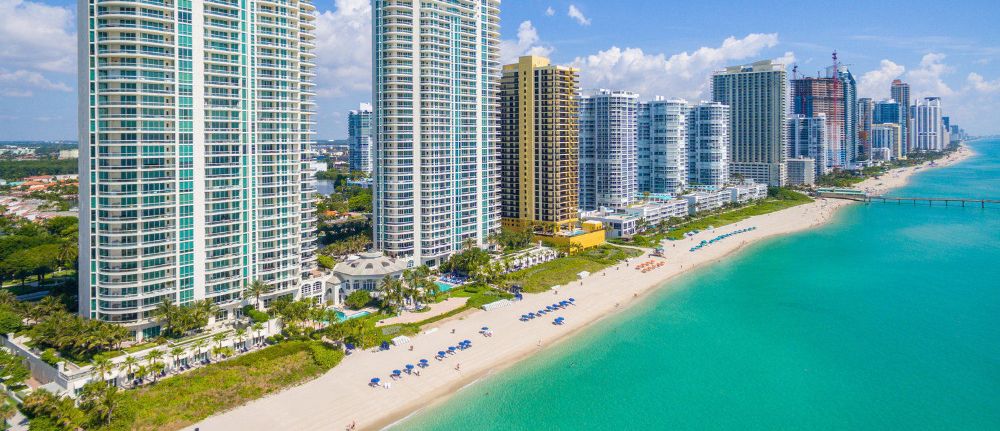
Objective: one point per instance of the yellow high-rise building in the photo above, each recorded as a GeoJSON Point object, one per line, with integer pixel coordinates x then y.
{"type": "Point", "coordinates": [539, 151]}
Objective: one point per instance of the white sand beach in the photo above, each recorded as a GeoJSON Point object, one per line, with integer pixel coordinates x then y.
{"type": "Point", "coordinates": [343, 396]}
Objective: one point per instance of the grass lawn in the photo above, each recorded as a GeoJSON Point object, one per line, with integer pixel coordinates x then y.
{"type": "Point", "coordinates": [185, 399]}
{"type": "Point", "coordinates": [564, 270]}
{"type": "Point", "coordinates": [785, 199]}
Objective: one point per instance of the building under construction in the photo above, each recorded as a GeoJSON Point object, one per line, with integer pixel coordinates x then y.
{"type": "Point", "coordinates": [834, 95]}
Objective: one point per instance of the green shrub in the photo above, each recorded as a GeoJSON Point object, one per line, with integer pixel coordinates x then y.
{"type": "Point", "coordinates": [10, 322]}
{"type": "Point", "coordinates": [358, 299]}
{"type": "Point", "coordinates": [325, 355]}
{"type": "Point", "coordinates": [49, 356]}
{"type": "Point", "coordinates": [256, 315]}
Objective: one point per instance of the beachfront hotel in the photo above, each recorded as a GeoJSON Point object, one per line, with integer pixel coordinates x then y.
{"type": "Point", "coordinates": [888, 136]}
{"type": "Point", "coordinates": [359, 139]}
{"type": "Point", "coordinates": [608, 134]}
{"type": "Point", "coordinates": [708, 146]}
{"type": "Point", "coordinates": [196, 122]}
{"type": "Point", "coordinates": [662, 147]}
{"type": "Point", "coordinates": [436, 78]}
{"type": "Point", "coordinates": [539, 144]}
{"type": "Point", "coordinates": [757, 95]}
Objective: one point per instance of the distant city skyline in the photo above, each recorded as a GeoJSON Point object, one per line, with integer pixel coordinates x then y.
{"type": "Point", "coordinates": [950, 55]}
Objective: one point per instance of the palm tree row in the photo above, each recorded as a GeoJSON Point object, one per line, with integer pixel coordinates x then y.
{"type": "Point", "coordinates": [179, 320]}
{"type": "Point", "coordinates": [415, 287]}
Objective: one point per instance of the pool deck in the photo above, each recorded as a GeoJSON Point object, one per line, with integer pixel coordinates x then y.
{"type": "Point", "coordinates": [439, 308]}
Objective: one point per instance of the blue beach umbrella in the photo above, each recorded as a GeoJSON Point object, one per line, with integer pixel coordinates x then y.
{"type": "Point", "coordinates": [451, 348]}
{"type": "Point", "coordinates": [486, 328]}
{"type": "Point", "coordinates": [441, 353]}
{"type": "Point", "coordinates": [410, 366]}
{"type": "Point", "coordinates": [467, 341]}
{"type": "Point", "coordinates": [572, 300]}
{"type": "Point", "coordinates": [423, 361]}
{"type": "Point", "coordinates": [396, 372]}
{"type": "Point", "coordinates": [376, 380]}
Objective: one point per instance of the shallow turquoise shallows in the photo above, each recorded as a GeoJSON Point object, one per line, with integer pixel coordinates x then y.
{"type": "Point", "coordinates": [887, 319]}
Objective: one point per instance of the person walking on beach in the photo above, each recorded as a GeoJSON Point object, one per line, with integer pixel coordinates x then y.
{"type": "Point", "coordinates": [458, 367]}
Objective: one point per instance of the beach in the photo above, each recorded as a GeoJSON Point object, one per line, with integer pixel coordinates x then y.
{"type": "Point", "coordinates": [342, 396]}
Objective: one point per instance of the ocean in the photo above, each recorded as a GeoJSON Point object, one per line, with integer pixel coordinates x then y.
{"type": "Point", "coordinates": [886, 318]}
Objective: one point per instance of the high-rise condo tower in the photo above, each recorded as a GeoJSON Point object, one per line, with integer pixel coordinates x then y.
{"type": "Point", "coordinates": [436, 77]}
{"type": "Point", "coordinates": [196, 121]}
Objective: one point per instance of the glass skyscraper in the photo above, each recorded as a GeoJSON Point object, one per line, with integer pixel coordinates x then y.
{"type": "Point", "coordinates": [196, 127]}
{"type": "Point", "coordinates": [436, 100]}
{"type": "Point", "coordinates": [359, 139]}
{"type": "Point", "coordinates": [608, 134]}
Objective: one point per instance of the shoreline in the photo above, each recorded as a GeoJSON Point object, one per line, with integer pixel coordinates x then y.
{"type": "Point", "coordinates": [342, 397]}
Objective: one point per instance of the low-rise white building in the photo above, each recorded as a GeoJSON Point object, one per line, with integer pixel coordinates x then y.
{"type": "Point", "coordinates": [363, 272]}
{"type": "Point", "coordinates": [617, 225]}
{"type": "Point", "coordinates": [746, 192]}
{"type": "Point", "coordinates": [707, 201]}
{"type": "Point", "coordinates": [657, 211]}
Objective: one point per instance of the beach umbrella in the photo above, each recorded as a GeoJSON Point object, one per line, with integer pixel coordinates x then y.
{"type": "Point", "coordinates": [423, 361]}
{"type": "Point", "coordinates": [385, 345]}
{"type": "Point", "coordinates": [466, 341]}
{"type": "Point", "coordinates": [349, 346]}
{"type": "Point", "coordinates": [572, 300]}
{"type": "Point", "coordinates": [451, 348]}
{"type": "Point", "coordinates": [486, 328]}
{"type": "Point", "coordinates": [376, 380]}
{"type": "Point", "coordinates": [410, 366]}
{"type": "Point", "coordinates": [548, 307]}
{"type": "Point", "coordinates": [441, 353]}
{"type": "Point", "coordinates": [396, 372]}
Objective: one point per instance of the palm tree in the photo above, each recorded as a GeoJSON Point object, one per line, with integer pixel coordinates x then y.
{"type": "Point", "coordinates": [241, 333]}
{"type": "Point", "coordinates": [7, 411]}
{"type": "Point", "coordinates": [391, 290]}
{"type": "Point", "coordinates": [199, 345]}
{"type": "Point", "coordinates": [154, 356]}
{"type": "Point", "coordinates": [167, 315]}
{"type": "Point", "coordinates": [141, 372]}
{"type": "Point", "coordinates": [102, 401]}
{"type": "Point", "coordinates": [155, 369]}
{"type": "Point", "coordinates": [219, 338]}
{"type": "Point", "coordinates": [129, 364]}
{"type": "Point", "coordinates": [102, 367]}
{"type": "Point", "coordinates": [257, 327]}
{"type": "Point", "coordinates": [177, 352]}
{"type": "Point", "coordinates": [256, 289]}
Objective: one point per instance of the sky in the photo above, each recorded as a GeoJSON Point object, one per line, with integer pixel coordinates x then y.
{"type": "Point", "coordinates": [653, 47]}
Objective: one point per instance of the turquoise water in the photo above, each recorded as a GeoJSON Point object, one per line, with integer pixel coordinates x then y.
{"type": "Point", "coordinates": [888, 318]}
{"type": "Point", "coordinates": [444, 287]}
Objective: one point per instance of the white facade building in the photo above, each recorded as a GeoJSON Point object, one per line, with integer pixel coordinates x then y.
{"type": "Point", "coordinates": [608, 134]}
{"type": "Point", "coordinates": [616, 223]}
{"type": "Point", "coordinates": [888, 136]}
{"type": "Point", "coordinates": [807, 138]}
{"type": "Point", "coordinates": [658, 211]}
{"type": "Point", "coordinates": [196, 124]}
{"type": "Point", "coordinates": [927, 129]}
{"type": "Point", "coordinates": [662, 146]}
{"type": "Point", "coordinates": [708, 146]}
{"type": "Point", "coordinates": [746, 192]}
{"type": "Point", "coordinates": [707, 201]}
{"type": "Point", "coordinates": [435, 106]}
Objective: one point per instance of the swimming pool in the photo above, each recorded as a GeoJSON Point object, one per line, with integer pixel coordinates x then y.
{"type": "Point", "coordinates": [444, 287]}
{"type": "Point", "coordinates": [342, 317]}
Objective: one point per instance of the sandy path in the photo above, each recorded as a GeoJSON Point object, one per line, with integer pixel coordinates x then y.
{"type": "Point", "coordinates": [342, 396]}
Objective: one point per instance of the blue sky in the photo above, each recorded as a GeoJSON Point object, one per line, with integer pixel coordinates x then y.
{"type": "Point", "coordinates": [654, 47]}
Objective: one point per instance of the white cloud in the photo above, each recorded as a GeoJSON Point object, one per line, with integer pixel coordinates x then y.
{"type": "Point", "coordinates": [527, 43]}
{"type": "Point", "coordinates": [788, 59]}
{"type": "Point", "coordinates": [575, 13]}
{"type": "Point", "coordinates": [681, 75]}
{"type": "Point", "coordinates": [875, 83]}
{"type": "Point", "coordinates": [927, 79]}
{"type": "Point", "coordinates": [37, 36]}
{"type": "Point", "coordinates": [981, 85]}
{"type": "Point", "coordinates": [20, 83]}
{"type": "Point", "coordinates": [343, 49]}
{"type": "Point", "coordinates": [549, 11]}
